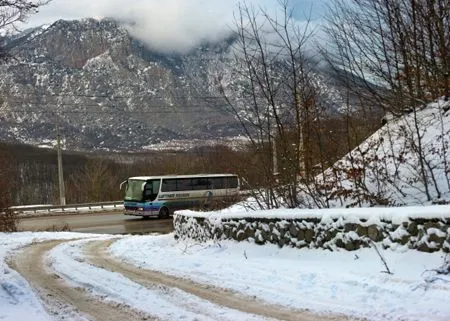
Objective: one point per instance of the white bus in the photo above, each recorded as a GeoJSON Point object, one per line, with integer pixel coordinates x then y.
{"type": "Point", "coordinates": [161, 195]}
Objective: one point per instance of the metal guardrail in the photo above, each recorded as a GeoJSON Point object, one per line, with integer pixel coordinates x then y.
{"type": "Point", "coordinates": [62, 208]}
{"type": "Point", "coordinates": [103, 206]}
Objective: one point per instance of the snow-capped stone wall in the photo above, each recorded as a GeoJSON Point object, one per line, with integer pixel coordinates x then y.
{"type": "Point", "coordinates": [421, 228]}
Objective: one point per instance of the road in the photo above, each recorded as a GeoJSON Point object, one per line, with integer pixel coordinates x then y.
{"type": "Point", "coordinates": [80, 301]}
{"type": "Point", "coordinates": [103, 223]}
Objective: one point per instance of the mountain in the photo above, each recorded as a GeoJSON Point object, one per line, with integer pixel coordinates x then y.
{"type": "Point", "coordinates": [102, 89]}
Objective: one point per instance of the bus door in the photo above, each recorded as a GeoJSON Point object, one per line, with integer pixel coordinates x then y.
{"type": "Point", "coordinates": [151, 190]}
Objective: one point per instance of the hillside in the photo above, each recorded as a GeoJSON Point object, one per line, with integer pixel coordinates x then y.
{"type": "Point", "coordinates": [406, 162]}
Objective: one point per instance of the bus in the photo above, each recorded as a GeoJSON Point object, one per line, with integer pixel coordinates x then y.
{"type": "Point", "coordinates": [160, 196]}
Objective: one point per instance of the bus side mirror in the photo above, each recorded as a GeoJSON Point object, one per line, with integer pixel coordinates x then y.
{"type": "Point", "coordinates": [123, 183]}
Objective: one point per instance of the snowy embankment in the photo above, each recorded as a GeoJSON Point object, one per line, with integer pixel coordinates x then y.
{"type": "Point", "coordinates": [406, 162]}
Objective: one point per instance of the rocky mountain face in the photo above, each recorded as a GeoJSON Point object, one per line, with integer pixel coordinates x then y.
{"type": "Point", "coordinates": [99, 88]}
{"type": "Point", "coordinates": [103, 90]}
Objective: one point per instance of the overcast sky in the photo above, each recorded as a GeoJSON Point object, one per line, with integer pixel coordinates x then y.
{"type": "Point", "coordinates": [169, 24]}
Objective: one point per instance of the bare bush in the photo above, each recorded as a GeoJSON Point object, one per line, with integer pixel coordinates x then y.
{"type": "Point", "coordinates": [13, 12]}
{"type": "Point", "coordinates": [8, 221]}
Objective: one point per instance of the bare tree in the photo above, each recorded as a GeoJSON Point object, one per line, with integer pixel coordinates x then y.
{"type": "Point", "coordinates": [271, 94]}
{"type": "Point", "coordinates": [7, 217]}
{"type": "Point", "coordinates": [400, 52]}
{"type": "Point", "coordinates": [403, 46]}
{"type": "Point", "coordinates": [13, 12]}
{"type": "Point", "coordinates": [94, 182]}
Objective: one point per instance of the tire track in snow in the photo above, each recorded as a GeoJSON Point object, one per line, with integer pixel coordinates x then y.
{"type": "Point", "coordinates": [58, 296]}
{"type": "Point", "coordinates": [97, 253]}
{"type": "Point", "coordinates": [165, 303]}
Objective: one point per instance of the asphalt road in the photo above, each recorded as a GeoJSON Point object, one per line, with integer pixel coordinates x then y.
{"type": "Point", "coordinates": [103, 223]}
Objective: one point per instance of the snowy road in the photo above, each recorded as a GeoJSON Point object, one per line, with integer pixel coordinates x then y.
{"type": "Point", "coordinates": [80, 279]}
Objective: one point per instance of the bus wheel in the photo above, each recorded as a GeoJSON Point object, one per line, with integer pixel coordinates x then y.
{"type": "Point", "coordinates": [163, 212]}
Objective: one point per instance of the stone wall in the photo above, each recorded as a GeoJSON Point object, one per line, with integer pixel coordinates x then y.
{"type": "Point", "coordinates": [350, 233]}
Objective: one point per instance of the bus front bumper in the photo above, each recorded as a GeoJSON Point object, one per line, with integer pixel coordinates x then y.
{"type": "Point", "coordinates": [141, 212]}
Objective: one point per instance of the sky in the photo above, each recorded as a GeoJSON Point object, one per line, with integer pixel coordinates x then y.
{"type": "Point", "coordinates": [171, 24]}
{"type": "Point", "coordinates": [340, 282]}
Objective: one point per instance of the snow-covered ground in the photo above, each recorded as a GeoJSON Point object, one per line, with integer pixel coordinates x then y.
{"type": "Point", "coordinates": [348, 282]}
{"type": "Point", "coordinates": [352, 283]}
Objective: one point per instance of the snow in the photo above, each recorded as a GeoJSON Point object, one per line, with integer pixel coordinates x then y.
{"type": "Point", "coordinates": [68, 261]}
{"type": "Point", "coordinates": [314, 279]}
{"type": "Point", "coordinates": [352, 283]}
{"type": "Point", "coordinates": [17, 300]}
{"type": "Point", "coordinates": [372, 215]}
{"type": "Point", "coordinates": [388, 163]}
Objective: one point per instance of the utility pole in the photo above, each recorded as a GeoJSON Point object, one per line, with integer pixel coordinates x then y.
{"type": "Point", "coordinates": [62, 192]}
{"type": "Point", "coordinates": [274, 156]}
{"type": "Point", "coordinates": [446, 93]}
{"type": "Point", "coordinates": [301, 146]}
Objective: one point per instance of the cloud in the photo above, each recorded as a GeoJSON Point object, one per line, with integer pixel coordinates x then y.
{"type": "Point", "coordinates": [175, 25]}
{"type": "Point", "coordinates": [162, 25]}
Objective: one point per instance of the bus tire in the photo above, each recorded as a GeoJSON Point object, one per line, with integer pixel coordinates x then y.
{"type": "Point", "coordinates": [163, 212]}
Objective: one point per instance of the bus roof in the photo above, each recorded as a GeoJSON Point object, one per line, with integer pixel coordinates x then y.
{"type": "Point", "coordinates": [144, 178]}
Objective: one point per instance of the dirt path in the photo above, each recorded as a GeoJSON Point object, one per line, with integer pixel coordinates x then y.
{"type": "Point", "coordinates": [59, 297]}
{"type": "Point", "coordinates": [97, 254]}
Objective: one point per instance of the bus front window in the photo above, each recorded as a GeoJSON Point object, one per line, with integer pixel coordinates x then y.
{"type": "Point", "coordinates": [133, 191]}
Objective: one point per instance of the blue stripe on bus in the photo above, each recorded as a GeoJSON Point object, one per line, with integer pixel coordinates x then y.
{"type": "Point", "coordinates": [145, 206]}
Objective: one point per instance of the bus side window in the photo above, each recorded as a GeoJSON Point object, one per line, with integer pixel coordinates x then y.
{"type": "Point", "coordinates": [169, 185]}
{"type": "Point", "coordinates": [201, 183]}
{"type": "Point", "coordinates": [184, 184]}
{"type": "Point", "coordinates": [156, 185]}
{"type": "Point", "coordinates": [232, 182]}
{"type": "Point", "coordinates": [218, 182]}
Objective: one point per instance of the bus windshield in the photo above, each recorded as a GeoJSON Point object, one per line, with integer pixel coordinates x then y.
{"type": "Point", "coordinates": [134, 189]}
